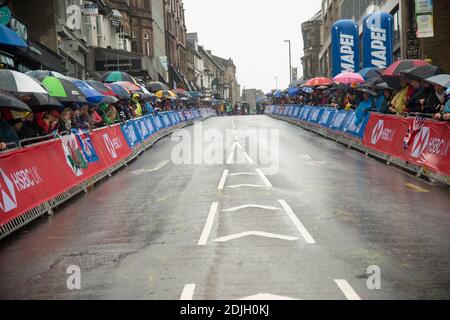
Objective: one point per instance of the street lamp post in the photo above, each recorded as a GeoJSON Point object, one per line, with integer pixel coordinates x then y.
{"type": "Point", "coordinates": [290, 61]}
{"type": "Point", "coordinates": [276, 82]}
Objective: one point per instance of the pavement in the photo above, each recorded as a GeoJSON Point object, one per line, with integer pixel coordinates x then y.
{"type": "Point", "coordinates": [328, 223]}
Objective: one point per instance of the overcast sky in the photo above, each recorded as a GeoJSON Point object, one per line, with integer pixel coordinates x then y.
{"type": "Point", "coordinates": [252, 32]}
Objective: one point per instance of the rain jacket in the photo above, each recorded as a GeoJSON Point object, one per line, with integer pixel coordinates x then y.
{"type": "Point", "coordinates": [399, 100]}
{"type": "Point", "coordinates": [138, 111]}
{"type": "Point", "coordinates": [362, 110]}
{"type": "Point", "coordinates": [7, 133]}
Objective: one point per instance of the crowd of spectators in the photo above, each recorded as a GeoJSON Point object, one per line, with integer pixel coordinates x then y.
{"type": "Point", "coordinates": [414, 98]}
{"type": "Point", "coordinates": [37, 126]}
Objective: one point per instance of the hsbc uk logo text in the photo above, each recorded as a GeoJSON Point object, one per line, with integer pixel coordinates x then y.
{"type": "Point", "coordinates": [424, 141]}
{"type": "Point", "coordinates": [379, 132]}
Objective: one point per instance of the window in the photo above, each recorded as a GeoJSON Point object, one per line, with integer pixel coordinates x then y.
{"type": "Point", "coordinates": [147, 48]}
{"type": "Point", "coordinates": [146, 36]}
{"type": "Point", "coordinates": [134, 35]}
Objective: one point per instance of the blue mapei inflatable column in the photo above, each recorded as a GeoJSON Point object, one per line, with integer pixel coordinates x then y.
{"type": "Point", "coordinates": [345, 46]}
{"type": "Point", "coordinates": [378, 40]}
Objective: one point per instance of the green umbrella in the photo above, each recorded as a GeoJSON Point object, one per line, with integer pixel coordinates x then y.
{"type": "Point", "coordinates": [115, 76]}
{"type": "Point", "coordinates": [63, 90]}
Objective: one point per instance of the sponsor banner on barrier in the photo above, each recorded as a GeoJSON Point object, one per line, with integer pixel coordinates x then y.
{"type": "Point", "coordinates": [428, 145]}
{"type": "Point", "coordinates": [36, 174]}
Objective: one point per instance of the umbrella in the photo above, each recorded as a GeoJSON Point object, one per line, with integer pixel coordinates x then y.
{"type": "Point", "coordinates": [10, 38]}
{"type": "Point", "coordinates": [119, 91]}
{"type": "Point", "coordinates": [156, 86]}
{"type": "Point", "coordinates": [92, 95]}
{"type": "Point", "coordinates": [293, 91]}
{"type": "Point", "coordinates": [423, 72]}
{"type": "Point", "coordinates": [442, 80]}
{"type": "Point", "coordinates": [42, 74]}
{"type": "Point", "coordinates": [9, 101]}
{"type": "Point", "coordinates": [370, 73]}
{"type": "Point", "coordinates": [114, 76]}
{"type": "Point", "coordinates": [307, 89]}
{"type": "Point", "coordinates": [131, 87]}
{"type": "Point", "coordinates": [319, 81]}
{"type": "Point", "coordinates": [278, 94]}
{"type": "Point", "coordinates": [102, 88]}
{"type": "Point", "coordinates": [348, 78]}
{"type": "Point", "coordinates": [27, 89]}
{"type": "Point", "coordinates": [371, 92]}
{"type": "Point", "coordinates": [63, 90]}
{"type": "Point", "coordinates": [166, 94]}
{"type": "Point", "coordinates": [397, 67]}
{"type": "Point", "coordinates": [183, 94]}
{"type": "Point", "coordinates": [110, 99]}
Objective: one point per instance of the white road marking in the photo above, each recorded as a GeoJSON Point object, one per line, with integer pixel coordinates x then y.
{"type": "Point", "coordinates": [232, 121]}
{"type": "Point", "coordinates": [347, 290]}
{"type": "Point", "coordinates": [158, 167]}
{"type": "Point", "coordinates": [208, 225]}
{"type": "Point", "coordinates": [255, 233]}
{"type": "Point", "coordinates": [250, 160]}
{"type": "Point", "coordinates": [223, 180]}
{"type": "Point", "coordinates": [245, 186]}
{"type": "Point", "coordinates": [264, 178]}
{"type": "Point", "coordinates": [316, 163]}
{"type": "Point", "coordinates": [306, 156]}
{"type": "Point", "coordinates": [241, 174]}
{"type": "Point", "coordinates": [250, 206]}
{"type": "Point", "coordinates": [300, 227]}
{"type": "Point", "coordinates": [231, 157]}
{"type": "Point", "coordinates": [188, 292]}
{"type": "Point", "coordinates": [267, 297]}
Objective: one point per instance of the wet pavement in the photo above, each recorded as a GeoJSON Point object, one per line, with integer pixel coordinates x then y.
{"type": "Point", "coordinates": [160, 230]}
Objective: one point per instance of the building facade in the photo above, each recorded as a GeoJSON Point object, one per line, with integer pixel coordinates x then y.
{"type": "Point", "coordinates": [250, 96]}
{"type": "Point", "coordinates": [312, 44]}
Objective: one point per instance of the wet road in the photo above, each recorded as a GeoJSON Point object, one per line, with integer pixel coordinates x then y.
{"type": "Point", "coordinates": [160, 230]}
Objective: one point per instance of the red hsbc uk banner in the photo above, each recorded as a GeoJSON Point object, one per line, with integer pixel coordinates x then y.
{"type": "Point", "coordinates": [36, 174]}
{"type": "Point", "coordinates": [426, 145]}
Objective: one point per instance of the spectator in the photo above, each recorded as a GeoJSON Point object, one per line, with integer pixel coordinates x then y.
{"type": "Point", "coordinates": [445, 110]}
{"type": "Point", "coordinates": [7, 134]}
{"type": "Point", "coordinates": [363, 108]}
{"type": "Point", "coordinates": [29, 128]}
{"type": "Point", "coordinates": [78, 121]}
{"type": "Point", "coordinates": [65, 120]}
{"type": "Point", "coordinates": [383, 101]}
{"type": "Point", "coordinates": [137, 106]}
{"type": "Point", "coordinates": [416, 97]}
{"type": "Point", "coordinates": [96, 119]}
{"type": "Point", "coordinates": [398, 102]}
{"type": "Point", "coordinates": [435, 102]}
{"type": "Point", "coordinates": [46, 123]}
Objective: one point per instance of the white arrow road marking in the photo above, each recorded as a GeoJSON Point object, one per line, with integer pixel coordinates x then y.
{"type": "Point", "coordinates": [250, 206]}
{"type": "Point", "coordinates": [300, 227]}
{"type": "Point", "coordinates": [245, 186]}
{"type": "Point", "coordinates": [250, 160]}
{"type": "Point", "coordinates": [264, 178]}
{"type": "Point", "coordinates": [241, 174]}
{"type": "Point", "coordinates": [347, 290]}
{"type": "Point", "coordinates": [267, 297]}
{"type": "Point", "coordinates": [255, 233]}
{"type": "Point", "coordinates": [188, 292]}
{"type": "Point", "coordinates": [208, 225]}
{"type": "Point", "coordinates": [223, 180]}
{"type": "Point", "coordinates": [158, 167]}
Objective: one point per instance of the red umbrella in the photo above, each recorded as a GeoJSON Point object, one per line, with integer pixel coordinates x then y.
{"type": "Point", "coordinates": [319, 81]}
{"type": "Point", "coordinates": [402, 65]}
{"type": "Point", "coordinates": [102, 88]}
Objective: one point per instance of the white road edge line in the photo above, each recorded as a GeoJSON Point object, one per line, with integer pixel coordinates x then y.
{"type": "Point", "coordinates": [264, 178]}
{"type": "Point", "coordinates": [208, 225]}
{"type": "Point", "coordinates": [223, 180]}
{"type": "Point", "coordinates": [188, 292]}
{"type": "Point", "coordinates": [298, 224]}
{"type": "Point", "coordinates": [347, 289]}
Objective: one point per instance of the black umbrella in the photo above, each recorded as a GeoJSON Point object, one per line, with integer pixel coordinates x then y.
{"type": "Point", "coordinates": [8, 101]}
{"type": "Point", "coordinates": [39, 102]}
{"type": "Point", "coordinates": [423, 72]}
{"type": "Point", "coordinates": [371, 92]}
{"type": "Point", "coordinates": [442, 80]}
{"type": "Point", "coordinates": [156, 86]}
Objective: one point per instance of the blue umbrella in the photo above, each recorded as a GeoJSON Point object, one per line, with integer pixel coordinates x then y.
{"type": "Point", "coordinates": [307, 89]}
{"type": "Point", "coordinates": [278, 94]}
{"type": "Point", "coordinates": [10, 38]}
{"type": "Point", "coordinates": [92, 95]}
{"type": "Point", "coordinates": [293, 91]}
{"type": "Point", "coordinates": [370, 73]}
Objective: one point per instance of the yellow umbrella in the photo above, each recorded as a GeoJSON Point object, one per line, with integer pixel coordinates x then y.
{"type": "Point", "coordinates": [166, 94]}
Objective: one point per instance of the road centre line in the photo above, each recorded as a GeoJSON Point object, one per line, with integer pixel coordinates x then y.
{"type": "Point", "coordinates": [264, 178]}
{"type": "Point", "coordinates": [223, 180]}
{"type": "Point", "coordinates": [188, 292]}
{"type": "Point", "coordinates": [298, 224]}
{"type": "Point", "coordinates": [347, 289]}
{"type": "Point", "coordinates": [208, 225]}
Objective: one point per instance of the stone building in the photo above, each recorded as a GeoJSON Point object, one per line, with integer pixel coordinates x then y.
{"type": "Point", "coordinates": [229, 78]}
{"type": "Point", "coordinates": [312, 44]}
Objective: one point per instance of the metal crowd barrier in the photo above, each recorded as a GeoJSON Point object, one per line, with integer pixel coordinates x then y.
{"type": "Point", "coordinates": [356, 144]}
{"type": "Point", "coordinates": [49, 206]}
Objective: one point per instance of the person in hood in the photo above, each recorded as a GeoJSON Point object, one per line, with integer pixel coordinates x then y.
{"type": "Point", "coordinates": [363, 108]}
{"type": "Point", "coordinates": [7, 134]}
{"type": "Point", "coordinates": [445, 109]}
{"type": "Point", "coordinates": [137, 105]}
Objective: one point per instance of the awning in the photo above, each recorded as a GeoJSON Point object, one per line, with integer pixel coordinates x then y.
{"type": "Point", "coordinates": [10, 38]}
{"type": "Point", "coordinates": [179, 78]}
